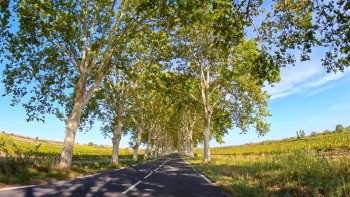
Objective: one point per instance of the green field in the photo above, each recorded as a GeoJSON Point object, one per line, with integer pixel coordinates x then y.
{"type": "Point", "coordinates": [47, 146]}
{"type": "Point", "coordinates": [330, 142]}
{"type": "Point", "coordinates": [28, 160]}
{"type": "Point", "coordinates": [316, 165]}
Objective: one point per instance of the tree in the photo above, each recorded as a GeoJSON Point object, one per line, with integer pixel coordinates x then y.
{"type": "Point", "coordinates": [186, 121]}
{"type": "Point", "coordinates": [326, 132]}
{"type": "Point", "coordinates": [90, 144]}
{"type": "Point", "coordinates": [339, 128]}
{"type": "Point", "coordinates": [61, 53]}
{"type": "Point", "coordinates": [300, 134]}
{"type": "Point", "coordinates": [112, 106]}
{"type": "Point", "coordinates": [229, 70]}
{"type": "Point", "coordinates": [303, 25]}
{"type": "Point", "coordinates": [314, 134]}
{"type": "Point", "coordinates": [5, 15]}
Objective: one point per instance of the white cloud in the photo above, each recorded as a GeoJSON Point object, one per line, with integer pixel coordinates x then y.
{"type": "Point", "coordinates": [326, 78]}
{"type": "Point", "coordinates": [309, 77]}
{"type": "Point", "coordinates": [341, 106]}
{"type": "Point", "coordinates": [320, 89]}
{"type": "Point", "coordinates": [284, 93]}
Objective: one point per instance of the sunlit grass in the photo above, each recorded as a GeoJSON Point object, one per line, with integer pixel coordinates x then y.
{"type": "Point", "coordinates": [322, 142]}
{"type": "Point", "coordinates": [24, 161]}
{"type": "Point", "coordinates": [31, 173]}
{"type": "Point", "coordinates": [299, 173]}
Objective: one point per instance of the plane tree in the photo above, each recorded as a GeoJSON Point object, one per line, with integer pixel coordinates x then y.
{"type": "Point", "coordinates": [185, 119]}
{"type": "Point", "coordinates": [112, 102]}
{"type": "Point", "coordinates": [150, 54]}
{"type": "Point", "coordinates": [228, 69]}
{"type": "Point", "coordinates": [302, 26]}
{"type": "Point", "coordinates": [61, 52]}
{"type": "Point", "coordinates": [5, 15]}
{"type": "Point", "coordinates": [133, 65]}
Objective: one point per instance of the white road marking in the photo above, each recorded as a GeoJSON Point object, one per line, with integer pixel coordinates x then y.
{"type": "Point", "coordinates": [131, 187]}
{"type": "Point", "coordinates": [81, 177]}
{"type": "Point", "coordinates": [20, 187]}
{"type": "Point", "coordinates": [148, 175]}
{"type": "Point", "coordinates": [205, 178]}
{"type": "Point", "coordinates": [163, 163]}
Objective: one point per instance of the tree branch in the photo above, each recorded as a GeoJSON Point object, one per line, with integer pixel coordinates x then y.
{"type": "Point", "coordinates": [65, 51]}
{"type": "Point", "coordinates": [82, 63]}
{"type": "Point", "coordinates": [258, 33]}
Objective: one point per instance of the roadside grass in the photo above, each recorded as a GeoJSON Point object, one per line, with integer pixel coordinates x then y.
{"type": "Point", "coordinates": [29, 165]}
{"type": "Point", "coordinates": [298, 173]}
{"type": "Point", "coordinates": [16, 172]}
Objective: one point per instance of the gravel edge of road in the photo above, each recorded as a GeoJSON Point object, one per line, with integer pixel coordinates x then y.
{"type": "Point", "coordinates": [206, 178]}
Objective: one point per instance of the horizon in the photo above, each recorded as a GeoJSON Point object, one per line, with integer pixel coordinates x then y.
{"type": "Point", "coordinates": [199, 147]}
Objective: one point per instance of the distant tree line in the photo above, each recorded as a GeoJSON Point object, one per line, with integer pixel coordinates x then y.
{"type": "Point", "coordinates": [338, 129]}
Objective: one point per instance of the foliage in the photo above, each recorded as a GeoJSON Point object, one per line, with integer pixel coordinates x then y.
{"type": "Point", "coordinates": [162, 67]}
{"type": "Point", "coordinates": [300, 134]}
{"type": "Point", "coordinates": [339, 128]}
{"type": "Point", "coordinates": [228, 69]}
{"type": "Point", "coordinates": [314, 134]}
{"type": "Point", "coordinates": [326, 132]}
{"type": "Point", "coordinates": [303, 25]}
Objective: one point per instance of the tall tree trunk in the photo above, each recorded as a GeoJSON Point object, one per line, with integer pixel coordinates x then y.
{"type": "Point", "coordinates": [206, 134]}
{"type": "Point", "coordinates": [73, 122]}
{"type": "Point", "coordinates": [116, 141]}
{"type": "Point", "coordinates": [152, 152]}
{"type": "Point", "coordinates": [190, 145]}
{"type": "Point", "coordinates": [191, 127]}
{"type": "Point", "coordinates": [191, 155]}
{"type": "Point", "coordinates": [136, 147]}
{"type": "Point", "coordinates": [156, 150]}
{"type": "Point", "coordinates": [147, 151]}
{"type": "Point", "coordinates": [117, 133]}
{"type": "Point", "coordinates": [72, 125]}
{"type": "Point", "coordinates": [146, 156]}
{"type": "Point", "coordinates": [207, 111]}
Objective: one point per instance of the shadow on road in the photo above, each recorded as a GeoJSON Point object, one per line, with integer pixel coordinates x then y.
{"type": "Point", "coordinates": [170, 176]}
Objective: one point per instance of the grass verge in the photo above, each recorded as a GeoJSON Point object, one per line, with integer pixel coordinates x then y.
{"type": "Point", "coordinates": [33, 173]}
{"type": "Point", "coordinates": [299, 173]}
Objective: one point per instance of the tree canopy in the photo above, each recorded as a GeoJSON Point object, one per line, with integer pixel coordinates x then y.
{"type": "Point", "coordinates": [172, 73]}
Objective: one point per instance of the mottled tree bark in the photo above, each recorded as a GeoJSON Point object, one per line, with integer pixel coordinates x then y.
{"type": "Point", "coordinates": [72, 125]}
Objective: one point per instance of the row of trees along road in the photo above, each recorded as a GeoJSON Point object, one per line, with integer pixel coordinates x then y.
{"type": "Point", "coordinates": [172, 73]}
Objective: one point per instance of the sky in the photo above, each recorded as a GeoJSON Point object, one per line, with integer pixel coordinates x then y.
{"type": "Point", "coordinates": [307, 98]}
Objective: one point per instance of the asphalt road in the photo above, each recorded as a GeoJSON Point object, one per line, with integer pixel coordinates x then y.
{"type": "Point", "coordinates": [168, 176]}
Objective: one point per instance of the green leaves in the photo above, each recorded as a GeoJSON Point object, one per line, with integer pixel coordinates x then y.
{"type": "Point", "coordinates": [303, 25]}
{"type": "Point", "coordinates": [190, 57]}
